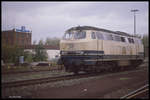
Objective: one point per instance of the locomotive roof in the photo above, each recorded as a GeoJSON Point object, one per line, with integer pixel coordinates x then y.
{"type": "Point", "coordinates": [99, 29]}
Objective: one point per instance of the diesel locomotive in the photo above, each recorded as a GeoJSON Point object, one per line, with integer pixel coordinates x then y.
{"type": "Point", "coordinates": [92, 49]}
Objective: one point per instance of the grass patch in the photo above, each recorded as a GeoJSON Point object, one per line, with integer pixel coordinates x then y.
{"type": "Point", "coordinates": [125, 78]}
{"type": "Point", "coordinates": [9, 69]}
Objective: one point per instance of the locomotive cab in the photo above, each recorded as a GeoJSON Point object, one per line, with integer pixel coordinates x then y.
{"type": "Point", "coordinates": [75, 47]}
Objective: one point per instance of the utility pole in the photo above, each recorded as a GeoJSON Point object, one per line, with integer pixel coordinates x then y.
{"type": "Point", "coordinates": [134, 11]}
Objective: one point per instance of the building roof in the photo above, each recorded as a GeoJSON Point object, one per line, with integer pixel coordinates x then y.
{"type": "Point", "coordinates": [98, 29]}
{"type": "Point", "coordinates": [14, 30]}
{"type": "Point", "coordinates": [45, 47]}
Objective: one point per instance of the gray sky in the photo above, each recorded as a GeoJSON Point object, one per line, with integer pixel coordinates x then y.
{"type": "Point", "coordinates": [51, 19]}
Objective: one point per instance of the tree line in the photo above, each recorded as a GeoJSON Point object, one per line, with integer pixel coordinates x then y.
{"type": "Point", "coordinates": [49, 41]}
{"type": "Point", "coordinates": [11, 53]}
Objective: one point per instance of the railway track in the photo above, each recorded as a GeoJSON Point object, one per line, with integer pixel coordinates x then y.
{"type": "Point", "coordinates": [18, 72]}
{"type": "Point", "coordinates": [51, 79]}
{"type": "Point", "coordinates": [44, 80]}
{"type": "Point", "coordinates": [139, 93]}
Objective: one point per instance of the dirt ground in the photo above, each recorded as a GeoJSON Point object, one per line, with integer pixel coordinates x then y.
{"type": "Point", "coordinates": [114, 86]}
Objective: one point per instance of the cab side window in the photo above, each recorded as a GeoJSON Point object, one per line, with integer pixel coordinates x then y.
{"type": "Point", "coordinates": [99, 36]}
{"type": "Point", "coordinates": [136, 41]}
{"type": "Point", "coordinates": [117, 38]}
{"type": "Point", "coordinates": [93, 35]}
{"type": "Point", "coordinates": [139, 41]}
{"type": "Point", "coordinates": [109, 37]}
{"type": "Point", "coordinates": [123, 39]}
{"type": "Point", "coordinates": [130, 40]}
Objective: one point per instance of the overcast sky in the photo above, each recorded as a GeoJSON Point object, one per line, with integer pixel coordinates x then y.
{"type": "Point", "coordinates": [51, 19]}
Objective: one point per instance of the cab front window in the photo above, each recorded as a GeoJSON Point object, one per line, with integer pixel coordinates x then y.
{"type": "Point", "coordinates": [74, 35]}
{"type": "Point", "coordinates": [79, 35]}
{"type": "Point", "coordinates": [68, 35]}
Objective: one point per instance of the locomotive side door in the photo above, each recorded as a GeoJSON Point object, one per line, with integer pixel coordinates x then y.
{"type": "Point", "coordinates": [99, 45]}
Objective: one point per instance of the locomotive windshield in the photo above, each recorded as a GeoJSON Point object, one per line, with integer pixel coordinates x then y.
{"type": "Point", "coordinates": [74, 35]}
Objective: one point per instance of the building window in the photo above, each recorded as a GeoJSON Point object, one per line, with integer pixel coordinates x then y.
{"type": "Point", "coordinates": [22, 41]}
{"type": "Point", "coordinates": [22, 35]}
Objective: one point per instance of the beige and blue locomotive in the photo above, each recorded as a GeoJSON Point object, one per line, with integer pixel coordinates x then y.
{"type": "Point", "coordinates": [86, 48]}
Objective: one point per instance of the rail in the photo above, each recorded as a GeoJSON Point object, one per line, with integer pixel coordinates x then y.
{"type": "Point", "coordinates": [49, 79]}
{"type": "Point", "coordinates": [44, 80]}
{"type": "Point", "coordinates": [136, 92]}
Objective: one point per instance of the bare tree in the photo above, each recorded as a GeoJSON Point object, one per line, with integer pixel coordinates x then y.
{"type": "Point", "coordinates": [52, 41]}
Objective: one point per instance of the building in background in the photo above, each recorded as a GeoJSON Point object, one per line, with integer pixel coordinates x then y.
{"type": "Point", "coordinates": [22, 38]}
{"type": "Point", "coordinates": [19, 37]}
{"type": "Point", "coordinates": [52, 51]}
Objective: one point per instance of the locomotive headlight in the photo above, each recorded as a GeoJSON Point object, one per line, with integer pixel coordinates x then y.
{"type": "Point", "coordinates": [63, 52]}
{"type": "Point", "coordinates": [79, 52]}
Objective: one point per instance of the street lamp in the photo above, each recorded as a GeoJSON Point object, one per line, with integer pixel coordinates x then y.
{"type": "Point", "coordinates": [134, 10]}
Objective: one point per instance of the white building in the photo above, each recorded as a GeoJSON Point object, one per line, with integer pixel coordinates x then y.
{"type": "Point", "coordinates": [51, 51]}
{"type": "Point", "coordinates": [52, 54]}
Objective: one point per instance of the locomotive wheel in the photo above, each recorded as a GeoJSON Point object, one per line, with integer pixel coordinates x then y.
{"type": "Point", "coordinates": [66, 68]}
{"type": "Point", "coordinates": [75, 70]}
{"type": "Point", "coordinates": [116, 68]}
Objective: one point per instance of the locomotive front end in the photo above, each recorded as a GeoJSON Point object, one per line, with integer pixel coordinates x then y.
{"type": "Point", "coordinates": [72, 48]}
